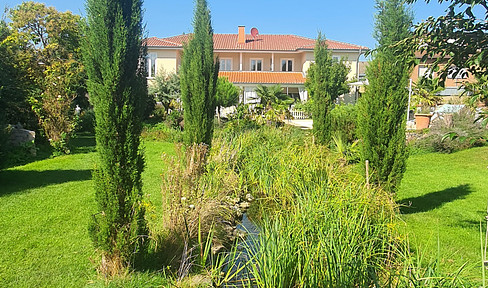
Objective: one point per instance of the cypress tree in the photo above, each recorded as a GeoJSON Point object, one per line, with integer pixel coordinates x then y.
{"type": "Point", "coordinates": [381, 116]}
{"type": "Point", "coordinates": [113, 54]}
{"type": "Point", "coordinates": [198, 78]}
{"type": "Point", "coordinates": [326, 80]}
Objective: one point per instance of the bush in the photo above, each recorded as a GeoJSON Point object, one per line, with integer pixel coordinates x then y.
{"type": "Point", "coordinates": [343, 122]}
{"type": "Point", "coordinates": [86, 121]}
{"type": "Point", "coordinates": [162, 132]}
{"type": "Point", "coordinates": [462, 123]}
{"type": "Point", "coordinates": [175, 119]}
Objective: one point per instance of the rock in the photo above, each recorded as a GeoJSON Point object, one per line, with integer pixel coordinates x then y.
{"type": "Point", "coordinates": [244, 205]}
{"type": "Point", "coordinates": [19, 136]}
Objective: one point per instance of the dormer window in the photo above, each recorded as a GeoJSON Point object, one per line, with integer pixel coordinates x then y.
{"type": "Point", "coordinates": [287, 65]}
{"type": "Point", "coordinates": [256, 64]}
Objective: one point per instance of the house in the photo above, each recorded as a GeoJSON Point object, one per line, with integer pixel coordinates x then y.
{"type": "Point", "coordinates": [248, 60]}
{"type": "Point", "coordinates": [453, 85]}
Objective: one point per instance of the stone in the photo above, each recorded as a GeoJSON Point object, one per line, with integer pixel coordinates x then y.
{"type": "Point", "coordinates": [244, 205]}
{"type": "Point", "coordinates": [19, 136]}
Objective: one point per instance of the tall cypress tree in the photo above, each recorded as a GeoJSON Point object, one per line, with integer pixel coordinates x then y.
{"type": "Point", "coordinates": [199, 73]}
{"type": "Point", "coordinates": [381, 117]}
{"type": "Point", "coordinates": [113, 54]}
{"type": "Point", "coordinates": [326, 80]}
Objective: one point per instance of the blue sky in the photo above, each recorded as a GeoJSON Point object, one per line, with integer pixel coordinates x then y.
{"type": "Point", "coordinates": [349, 21]}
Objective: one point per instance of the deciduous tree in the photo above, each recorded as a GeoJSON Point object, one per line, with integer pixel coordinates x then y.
{"type": "Point", "coordinates": [49, 55]}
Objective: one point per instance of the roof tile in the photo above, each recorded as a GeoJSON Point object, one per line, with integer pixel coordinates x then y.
{"type": "Point", "coordinates": [247, 77]}
{"type": "Point", "coordinates": [265, 42]}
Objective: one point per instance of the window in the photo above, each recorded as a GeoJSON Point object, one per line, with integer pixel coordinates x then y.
{"type": "Point", "coordinates": [151, 65]}
{"type": "Point", "coordinates": [225, 64]}
{"type": "Point", "coordinates": [286, 65]}
{"type": "Point", "coordinates": [335, 59]}
{"type": "Point", "coordinates": [457, 73]}
{"type": "Point", "coordinates": [256, 64]}
{"type": "Point", "coordinates": [425, 71]}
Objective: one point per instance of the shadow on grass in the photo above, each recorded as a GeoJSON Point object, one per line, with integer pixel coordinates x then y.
{"type": "Point", "coordinates": [434, 200]}
{"type": "Point", "coordinates": [83, 143]}
{"type": "Point", "coordinates": [14, 181]}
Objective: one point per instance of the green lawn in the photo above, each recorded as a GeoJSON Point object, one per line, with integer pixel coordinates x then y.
{"type": "Point", "coordinates": [45, 207]}
{"type": "Point", "coordinates": [447, 194]}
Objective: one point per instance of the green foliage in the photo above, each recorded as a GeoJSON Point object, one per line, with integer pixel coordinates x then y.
{"type": "Point", "coordinates": [457, 38]}
{"type": "Point", "coordinates": [469, 133]}
{"type": "Point", "coordinates": [227, 94]}
{"type": "Point", "coordinates": [425, 92]}
{"type": "Point", "coordinates": [166, 88]}
{"type": "Point", "coordinates": [113, 55]}
{"type": "Point", "coordinates": [326, 80]}
{"type": "Point", "coordinates": [273, 97]}
{"type": "Point", "coordinates": [478, 90]}
{"type": "Point", "coordinates": [198, 76]}
{"type": "Point", "coordinates": [392, 22]}
{"type": "Point", "coordinates": [381, 111]}
{"type": "Point", "coordinates": [86, 121]}
{"type": "Point", "coordinates": [49, 43]}
{"type": "Point", "coordinates": [54, 105]}
{"type": "Point", "coordinates": [344, 122]}
{"type": "Point", "coordinates": [273, 105]}
{"type": "Point", "coordinates": [15, 82]}
{"type": "Point", "coordinates": [305, 106]}
{"type": "Point", "coordinates": [163, 132]}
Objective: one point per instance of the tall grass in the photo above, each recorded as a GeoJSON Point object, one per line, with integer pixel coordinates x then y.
{"type": "Point", "coordinates": [324, 228]}
{"type": "Point", "coordinates": [320, 226]}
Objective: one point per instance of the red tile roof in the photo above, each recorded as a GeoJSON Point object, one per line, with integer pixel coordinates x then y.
{"type": "Point", "coordinates": [247, 77]}
{"type": "Point", "coordinates": [261, 43]}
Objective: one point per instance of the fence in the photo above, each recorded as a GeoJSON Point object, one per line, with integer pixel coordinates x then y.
{"type": "Point", "coordinates": [299, 114]}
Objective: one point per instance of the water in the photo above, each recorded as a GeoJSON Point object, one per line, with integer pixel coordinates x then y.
{"type": "Point", "coordinates": [243, 251]}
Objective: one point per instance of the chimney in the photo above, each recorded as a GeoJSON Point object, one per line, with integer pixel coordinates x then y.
{"type": "Point", "coordinates": [241, 37]}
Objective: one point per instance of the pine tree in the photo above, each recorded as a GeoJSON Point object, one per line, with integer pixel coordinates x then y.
{"type": "Point", "coordinates": [326, 80]}
{"type": "Point", "coordinates": [113, 54]}
{"type": "Point", "coordinates": [381, 117]}
{"type": "Point", "coordinates": [198, 78]}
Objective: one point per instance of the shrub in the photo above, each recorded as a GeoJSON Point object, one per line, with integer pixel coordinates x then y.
{"type": "Point", "coordinates": [162, 132]}
{"type": "Point", "coordinates": [462, 123]}
{"type": "Point", "coordinates": [343, 122]}
{"type": "Point", "coordinates": [86, 121]}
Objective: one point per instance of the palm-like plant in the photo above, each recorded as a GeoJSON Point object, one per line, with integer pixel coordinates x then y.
{"type": "Point", "coordinates": [272, 97]}
{"type": "Point", "coordinates": [425, 92]}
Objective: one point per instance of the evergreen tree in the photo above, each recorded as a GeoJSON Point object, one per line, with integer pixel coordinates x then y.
{"type": "Point", "coordinates": [113, 55]}
{"type": "Point", "coordinates": [198, 77]}
{"type": "Point", "coordinates": [326, 80]}
{"type": "Point", "coordinates": [381, 117]}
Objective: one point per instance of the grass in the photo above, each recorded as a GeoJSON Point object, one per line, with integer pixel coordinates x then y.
{"type": "Point", "coordinates": [445, 198]}
{"type": "Point", "coordinates": [45, 207]}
